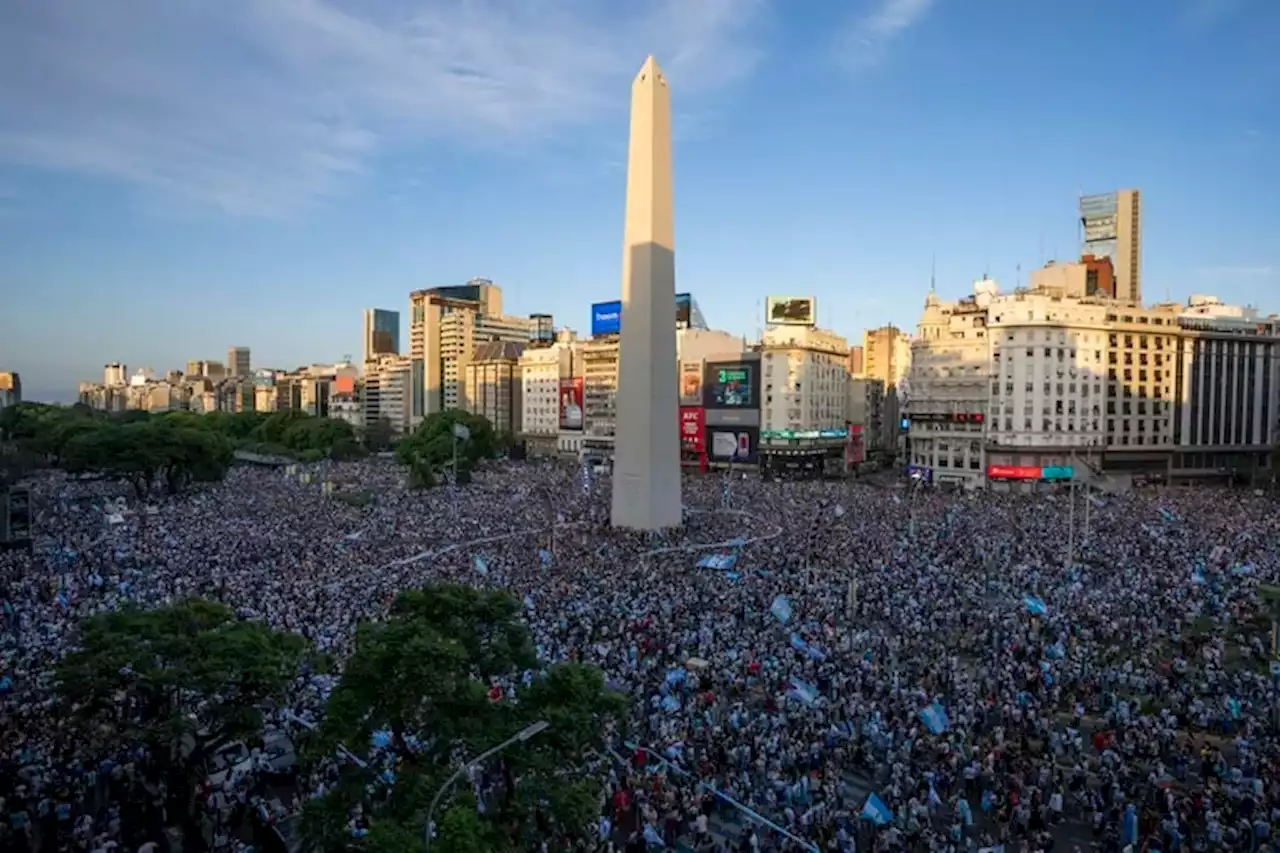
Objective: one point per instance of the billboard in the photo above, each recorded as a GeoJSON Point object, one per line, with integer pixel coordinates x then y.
{"type": "Point", "coordinates": [855, 447]}
{"type": "Point", "coordinates": [606, 318]}
{"type": "Point", "coordinates": [733, 444]}
{"type": "Point", "coordinates": [731, 385]}
{"type": "Point", "coordinates": [1013, 472]}
{"type": "Point", "coordinates": [691, 383]}
{"type": "Point", "coordinates": [791, 311]}
{"type": "Point", "coordinates": [571, 403]}
{"type": "Point", "coordinates": [693, 428]}
{"type": "Point", "coordinates": [684, 310]}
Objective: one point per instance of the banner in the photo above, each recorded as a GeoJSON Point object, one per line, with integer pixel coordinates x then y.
{"type": "Point", "coordinates": [571, 403]}
{"type": "Point", "coordinates": [693, 429]}
{"type": "Point", "coordinates": [855, 449]}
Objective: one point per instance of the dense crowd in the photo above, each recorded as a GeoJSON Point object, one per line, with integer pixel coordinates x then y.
{"type": "Point", "coordinates": [846, 677]}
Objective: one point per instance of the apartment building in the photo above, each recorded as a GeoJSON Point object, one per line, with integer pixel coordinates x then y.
{"type": "Point", "coordinates": [1048, 377]}
{"type": "Point", "coordinates": [599, 396]}
{"type": "Point", "coordinates": [886, 355]}
{"type": "Point", "coordinates": [445, 325]}
{"type": "Point", "coordinates": [238, 361]}
{"type": "Point", "coordinates": [10, 389]}
{"type": "Point", "coordinates": [865, 407]}
{"type": "Point", "coordinates": [387, 395]}
{"type": "Point", "coordinates": [544, 372]}
{"type": "Point", "coordinates": [949, 387]}
{"type": "Point", "coordinates": [493, 385]}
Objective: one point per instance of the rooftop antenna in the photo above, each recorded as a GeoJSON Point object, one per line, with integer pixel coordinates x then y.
{"type": "Point", "coordinates": [933, 273]}
{"type": "Point", "coordinates": [759, 322]}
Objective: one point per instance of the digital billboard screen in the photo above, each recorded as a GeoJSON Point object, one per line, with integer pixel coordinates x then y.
{"type": "Point", "coordinates": [733, 444]}
{"type": "Point", "coordinates": [606, 318]}
{"type": "Point", "coordinates": [730, 386]}
{"type": "Point", "coordinates": [571, 403]}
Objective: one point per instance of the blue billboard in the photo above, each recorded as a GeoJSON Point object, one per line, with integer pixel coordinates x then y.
{"type": "Point", "coordinates": [606, 318]}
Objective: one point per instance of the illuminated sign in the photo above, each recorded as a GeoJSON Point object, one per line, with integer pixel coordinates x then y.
{"type": "Point", "coordinates": [1057, 472]}
{"type": "Point", "coordinates": [1013, 472]}
{"type": "Point", "coordinates": [804, 434]}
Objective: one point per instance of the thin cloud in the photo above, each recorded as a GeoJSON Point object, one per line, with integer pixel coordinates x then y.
{"type": "Point", "coordinates": [262, 107]}
{"type": "Point", "coordinates": [866, 41]}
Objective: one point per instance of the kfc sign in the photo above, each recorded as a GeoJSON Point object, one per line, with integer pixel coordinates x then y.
{"type": "Point", "coordinates": [1013, 472]}
{"type": "Point", "coordinates": [693, 429]}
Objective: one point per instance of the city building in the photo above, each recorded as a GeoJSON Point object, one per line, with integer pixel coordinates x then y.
{"type": "Point", "coordinates": [599, 398]}
{"type": "Point", "coordinates": [1111, 227]}
{"type": "Point", "coordinates": [804, 397]}
{"type": "Point", "coordinates": [1048, 380]}
{"type": "Point", "coordinates": [387, 394]}
{"type": "Point", "coordinates": [115, 375]}
{"type": "Point", "coordinates": [493, 388]}
{"type": "Point", "coordinates": [856, 360]}
{"type": "Point", "coordinates": [886, 355]}
{"type": "Point", "coordinates": [238, 361]}
{"type": "Point", "coordinates": [381, 333]}
{"type": "Point", "coordinates": [949, 389]}
{"type": "Point", "coordinates": [10, 389]}
{"type": "Point", "coordinates": [445, 325]}
{"type": "Point", "coordinates": [551, 391]}
{"type": "Point", "coordinates": [864, 407]}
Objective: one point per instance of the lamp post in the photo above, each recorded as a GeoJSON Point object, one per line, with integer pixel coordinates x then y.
{"type": "Point", "coordinates": [519, 737]}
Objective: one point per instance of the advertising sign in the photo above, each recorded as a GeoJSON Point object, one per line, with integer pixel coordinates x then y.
{"type": "Point", "coordinates": [730, 386]}
{"type": "Point", "coordinates": [732, 444]}
{"type": "Point", "coordinates": [1100, 229]}
{"type": "Point", "coordinates": [855, 448]}
{"type": "Point", "coordinates": [1097, 205]}
{"type": "Point", "coordinates": [684, 310]}
{"type": "Point", "coordinates": [606, 318]}
{"type": "Point", "coordinates": [1057, 472]}
{"type": "Point", "coordinates": [791, 311]}
{"type": "Point", "coordinates": [691, 383]}
{"type": "Point", "coordinates": [1013, 472]}
{"type": "Point", "coordinates": [571, 403]}
{"type": "Point", "coordinates": [693, 429]}
{"type": "Point", "coordinates": [920, 472]}
{"type": "Point", "coordinates": [805, 434]}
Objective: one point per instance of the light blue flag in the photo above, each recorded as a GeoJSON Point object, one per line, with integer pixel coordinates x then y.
{"type": "Point", "coordinates": [781, 609]}
{"type": "Point", "coordinates": [876, 811]}
{"type": "Point", "coordinates": [1168, 515]}
{"type": "Point", "coordinates": [803, 692]}
{"type": "Point", "coordinates": [482, 568]}
{"type": "Point", "coordinates": [935, 719]}
{"type": "Point", "coordinates": [1034, 605]}
{"type": "Point", "coordinates": [544, 556]}
{"type": "Point", "coordinates": [1129, 834]}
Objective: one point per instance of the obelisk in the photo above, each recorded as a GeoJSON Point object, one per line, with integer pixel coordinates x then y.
{"type": "Point", "coordinates": [646, 458]}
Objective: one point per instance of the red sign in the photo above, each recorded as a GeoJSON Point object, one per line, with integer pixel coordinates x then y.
{"type": "Point", "coordinates": [571, 403]}
{"type": "Point", "coordinates": [855, 448]}
{"type": "Point", "coordinates": [1013, 472]}
{"type": "Point", "coordinates": [693, 433]}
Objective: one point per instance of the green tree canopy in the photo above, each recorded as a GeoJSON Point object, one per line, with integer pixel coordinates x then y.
{"type": "Point", "coordinates": [177, 679]}
{"type": "Point", "coordinates": [176, 448]}
{"type": "Point", "coordinates": [432, 443]}
{"type": "Point", "coordinates": [424, 677]}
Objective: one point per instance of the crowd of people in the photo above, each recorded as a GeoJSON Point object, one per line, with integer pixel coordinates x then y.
{"type": "Point", "coordinates": [854, 668]}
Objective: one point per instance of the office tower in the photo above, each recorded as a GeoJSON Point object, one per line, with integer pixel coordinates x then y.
{"type": "Point", "coordinates": [381, 333]}
{"type": "Point", "coordinates": [646, 471]}
{"type": "Point", "coordinates": [1112, 228]}
{"type": "Point", "coordinates": [445, 325]}
{"type": "Point", "coordinates": [238, 361]}
{"type": "Point", "coordinates": [115, 374]}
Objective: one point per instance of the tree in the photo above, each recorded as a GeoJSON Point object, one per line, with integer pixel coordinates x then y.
{"type": "Point", "coordinates": [180, 680]}
{"type": "Point", "coordinates": [379, 436]}
{"type": "Point", "coordinates": [176, 448]}
{"type": "Point", "coordinates": [423, 677]}
{"type": "Point", "coordinates": [432, 443]}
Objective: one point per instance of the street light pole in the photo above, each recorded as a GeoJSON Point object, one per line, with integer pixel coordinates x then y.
{"type": "Point", "coordinates": [519, 737]}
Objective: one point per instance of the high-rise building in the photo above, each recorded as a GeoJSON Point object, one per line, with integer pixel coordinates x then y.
{"type": "Point", "coordinates": [806, 380]}
{"type": "Point", "coordinates": [445, 325]}
{"type": "Point", "coordinates": [493, 386]}
{"type": "Point", "coordinates": [886, 355]}
{"type": "Point", "coordinates": [544, 374]}
{"type": "Point", "coordinates": [1111, 225]}
{"type": "Point", "coordinates": [10, 389]}
{"type": "Point", "coordinates": [238, 361]}
{"type": "Point", "coordinates": [381, 333]}
{"type": "Point", "coordinates": [646, 469]}
{"type": "Point", "coordinates": [115, 375]}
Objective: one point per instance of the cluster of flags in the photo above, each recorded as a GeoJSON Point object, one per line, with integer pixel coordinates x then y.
{"type": "Point", "coordinates": [719, 562]}
{"type": "Point", "coordinates": [1034, 605]}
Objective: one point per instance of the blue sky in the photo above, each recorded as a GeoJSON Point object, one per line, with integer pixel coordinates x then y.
{"type": "Point", "coordinates": [179, 177]}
